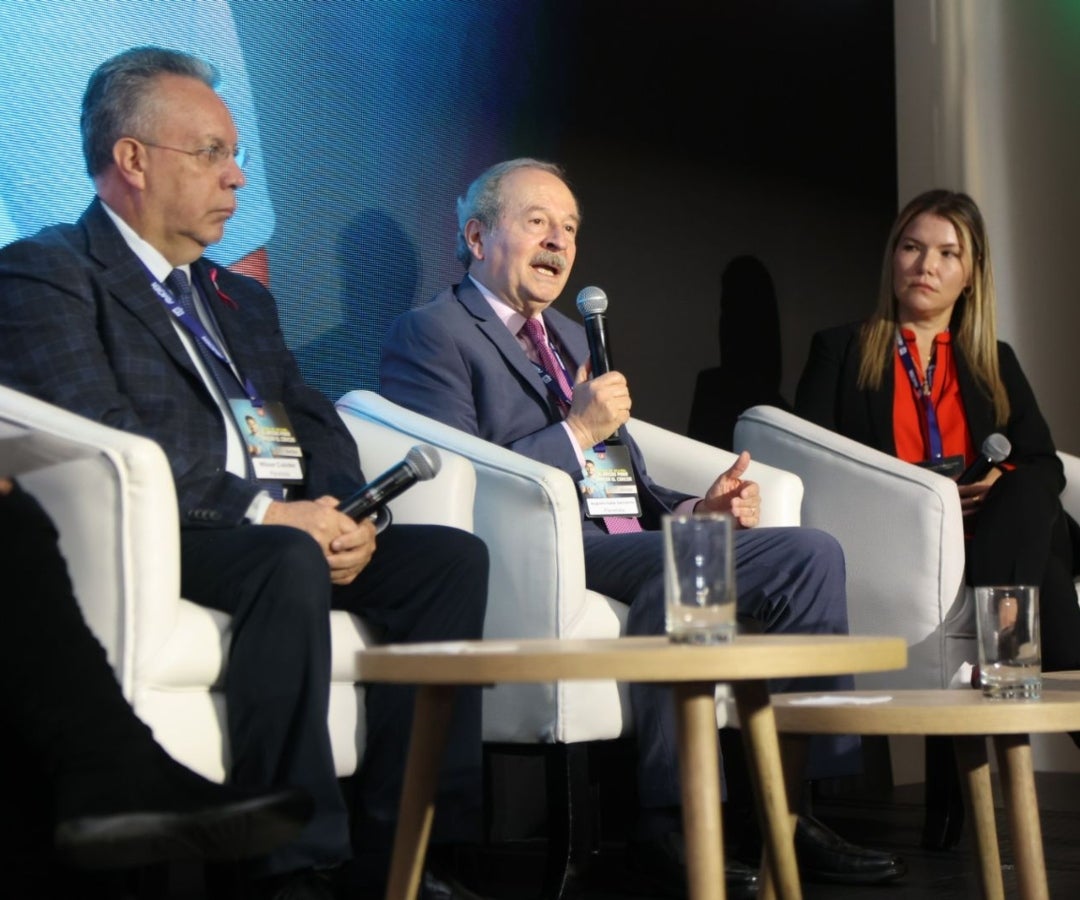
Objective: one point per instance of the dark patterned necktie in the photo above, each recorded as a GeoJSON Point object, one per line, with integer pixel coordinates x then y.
{"type": "Point", "coordinates": [223, 376]}
{"type": "Point", "coordinates": [534, 331]}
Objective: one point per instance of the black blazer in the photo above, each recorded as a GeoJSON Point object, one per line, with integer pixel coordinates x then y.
{"type": "Point", "coordinates": [827, 395]}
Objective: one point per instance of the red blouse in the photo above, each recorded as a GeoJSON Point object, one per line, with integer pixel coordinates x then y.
{"type": "Point", "coordinates": [909, 418]}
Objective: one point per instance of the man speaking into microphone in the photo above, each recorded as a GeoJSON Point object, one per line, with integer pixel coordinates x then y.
{"type": "Point", "coordinates": [491, 357]}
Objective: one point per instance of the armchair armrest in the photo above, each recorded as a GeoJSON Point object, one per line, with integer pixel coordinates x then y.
{"type": "Point", "coordinates": [112, 499]}
{"type": "Point", "coordinates": [1070, 497]}
{"type": "Point", "coordinates": [687, 465]}
{"type": "Point", "coordinates": [446, 499]}
{"type": "Point", "coordinates": [902, 534]}
{"type": "Point", "coordinates": [514, 496]}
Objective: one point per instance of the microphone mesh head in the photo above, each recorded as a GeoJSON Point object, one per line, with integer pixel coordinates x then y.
{"type": "Point", "coordinates": [425, 461]}
{"type": "Point", "coordinates": [997, 447]}
{"type": "Point", "coordinates": [591, 301]}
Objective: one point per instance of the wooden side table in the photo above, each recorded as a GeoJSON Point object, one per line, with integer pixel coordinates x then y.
{"type": "Point", "coordinates": [968, 718]}
{"type": "Point", "coordinates": [692, 671]}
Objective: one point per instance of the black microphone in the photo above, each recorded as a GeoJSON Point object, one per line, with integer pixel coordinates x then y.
{"type": "Point", "coordinates": [420, 463]}
{"type": "Point", "coordinates": [592, 304]}
{"type": "Point", "coordinates": [995, 449]}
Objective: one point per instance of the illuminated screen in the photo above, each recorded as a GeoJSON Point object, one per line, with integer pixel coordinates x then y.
{"type": "Point", "coordinates": [365, 119]}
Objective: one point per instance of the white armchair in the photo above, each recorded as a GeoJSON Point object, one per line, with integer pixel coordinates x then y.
{"type": "Point", "coordinates": [111, 496]}
{"type": "Point", "coordinates": [529, 515]}
{"type": "Point", "coordinates": [902, 533]}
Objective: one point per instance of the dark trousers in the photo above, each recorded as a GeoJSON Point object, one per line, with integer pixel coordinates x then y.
{"type": "Point", "coordinates": [789, 580]}
{"type": "Point", "coordinates": [423, 583]}
{"type": "Point", "coordinates": [1021, 536]}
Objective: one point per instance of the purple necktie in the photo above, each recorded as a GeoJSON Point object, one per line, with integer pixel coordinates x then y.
{"type": "Point", "coordinates": [534, 331]}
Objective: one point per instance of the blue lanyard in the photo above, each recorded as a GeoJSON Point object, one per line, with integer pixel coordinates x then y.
{"type": "Point", "coordinates": [923, 391]}
{"type": "Point", "coordinates": [199, 333]}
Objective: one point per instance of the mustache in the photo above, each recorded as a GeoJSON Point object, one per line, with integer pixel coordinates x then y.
{"type": "Point", "coordinates": [548, 258]}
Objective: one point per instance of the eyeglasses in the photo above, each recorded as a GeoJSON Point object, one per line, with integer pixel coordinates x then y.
{"type": "Point", "coordinates": [215, 155]}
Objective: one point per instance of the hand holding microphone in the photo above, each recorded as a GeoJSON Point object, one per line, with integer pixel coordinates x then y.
{"type": "Point", "coordinates": [995, 449]}
{"type": "Point", "coordinates": [592, 303]}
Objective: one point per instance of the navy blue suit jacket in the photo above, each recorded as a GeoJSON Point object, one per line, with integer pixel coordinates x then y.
{"type": "Point", "coordinates": [454, 360]}
{"type": "Point", "coordinates": [83, 329]}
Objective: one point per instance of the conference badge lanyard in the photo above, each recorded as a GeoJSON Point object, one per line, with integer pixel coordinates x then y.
{"type": "Point", "coordinates": [608, 485]}
{"type": "Point", "coordinates": [268, 436]}
{"type": "Point", "coordinates": [950, 466]}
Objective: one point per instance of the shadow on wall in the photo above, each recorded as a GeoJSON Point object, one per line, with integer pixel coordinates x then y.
{"type": "Point", "coordinates": [380, 274]}
{"type": "Point", "coordinates": [750, 355]}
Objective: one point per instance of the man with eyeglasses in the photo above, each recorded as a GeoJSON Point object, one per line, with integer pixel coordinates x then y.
{"type": "Point", "coordinates": [119, 317]}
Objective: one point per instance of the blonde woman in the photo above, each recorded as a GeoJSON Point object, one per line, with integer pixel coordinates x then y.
{"type": "Point", "coordinates": [926, 379]}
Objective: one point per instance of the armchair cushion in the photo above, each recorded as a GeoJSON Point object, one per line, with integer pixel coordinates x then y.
{"type": "Point", "coordinates": [902, 534]}
{"type": "Point", "coordinates": [530, 517]}
{"type": "Point", "coordinates": [112, 498]}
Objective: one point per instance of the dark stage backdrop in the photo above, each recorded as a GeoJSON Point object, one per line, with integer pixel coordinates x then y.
{"type": "Point", "coordinates": [693, 131]}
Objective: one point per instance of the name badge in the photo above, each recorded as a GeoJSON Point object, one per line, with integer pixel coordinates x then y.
{"type": "Point", "coordinates": [270, 441]}
{"type": "Point", "coordinates": [949, 466]}
{"type": "Point", "coordinates": [608, 483]}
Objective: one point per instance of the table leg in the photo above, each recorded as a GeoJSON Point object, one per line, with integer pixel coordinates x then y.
{"type": "Point", "coordinates": [699, 775]}
{"type": "Point", "coordinates": [431, 719]}
{"type": "Point", "coordinates": [758, 725]}
{"type": "Point", "coordinates": [794, 749]}
{"type": "Point", "coordinates": [974, 768]}
{"type": "Point", "coordinates": [1022, 807]}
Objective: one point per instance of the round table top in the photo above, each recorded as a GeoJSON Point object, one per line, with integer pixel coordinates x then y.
{"type": "Point", "coordinates": [938, 712]}
{"type": "Point", "coordinates": [638, 659]}
{"type": "Point", "coordinates": [1062, 681]}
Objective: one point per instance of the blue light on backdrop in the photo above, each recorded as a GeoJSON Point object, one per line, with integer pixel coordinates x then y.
{"type": "Point", "coordinates": [365, 120]}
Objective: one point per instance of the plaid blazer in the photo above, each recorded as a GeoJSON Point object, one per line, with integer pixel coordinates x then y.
{"type": "Point", "coordinates": [82, 328]}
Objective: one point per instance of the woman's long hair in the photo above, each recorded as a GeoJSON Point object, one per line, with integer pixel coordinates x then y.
{"type": "Point", "coordinates": [974, 320]}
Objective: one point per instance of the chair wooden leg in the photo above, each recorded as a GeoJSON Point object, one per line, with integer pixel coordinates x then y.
{"type": "Point", "coordinates": [944, 798]}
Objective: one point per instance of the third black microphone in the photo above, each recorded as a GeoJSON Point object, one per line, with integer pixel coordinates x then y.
{"type": "Point", "coordinates": [995, 449]}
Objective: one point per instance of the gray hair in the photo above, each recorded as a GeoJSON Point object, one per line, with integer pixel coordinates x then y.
{"type": "Point", "coordinates": [115, 103]}
{"type": "Point", "coordinates": [483, 200]}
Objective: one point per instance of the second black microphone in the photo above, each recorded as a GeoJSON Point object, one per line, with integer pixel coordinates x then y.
{"type": "Point", "coordinates": [420, 463]}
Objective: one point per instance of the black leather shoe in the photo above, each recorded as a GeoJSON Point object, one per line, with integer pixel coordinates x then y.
{"type": "Point", "coordinates": [435, 885]}
{"type": "Point", "coordinates": [303, 884]}
{"type": "Point", "coordinates": [824, 856]}
{"type": "Point", "coordinates": [661, 865]}
{"type": "Point", "coordinates": [248, 824]}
